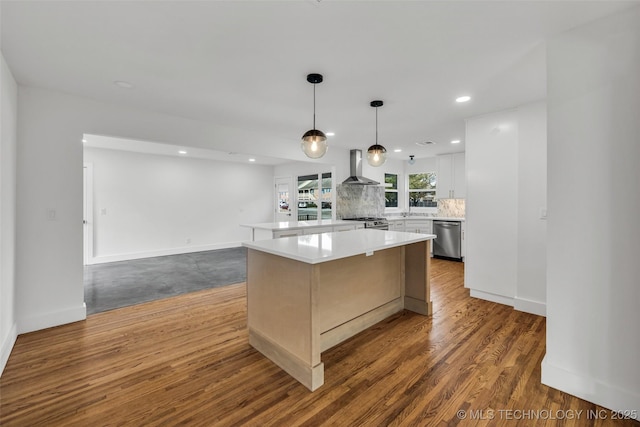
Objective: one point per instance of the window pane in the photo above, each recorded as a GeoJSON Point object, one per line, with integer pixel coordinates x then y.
{"type": "Point", "coordinates": [314, 196]}
{"type": "Point", "coordinates": [283, 198]}
{"type": "Point", "coordinates": [391, 181]}
{"type": "Point", "coordinates": [307, 195]}
{"type": "Point", "coordinates": [326, 196]}
{"type": "Point", "coordinates": [423, 199]}
{"type": "Point", "coordinates": [422, 181]}
{"type": "Point", "coordinates": [391, 199]}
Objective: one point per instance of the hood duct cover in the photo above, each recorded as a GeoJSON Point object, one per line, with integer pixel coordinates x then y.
{"type": "Point", "coordinates": [356, 177]}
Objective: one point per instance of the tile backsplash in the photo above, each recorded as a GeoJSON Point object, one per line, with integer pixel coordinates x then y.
{"type": "Point", "coordinates": [354, 201]}
{"type": "Point", "coordinates": [452, 208]}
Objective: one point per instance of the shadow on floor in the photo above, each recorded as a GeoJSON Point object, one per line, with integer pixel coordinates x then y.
{"type": "Point", "coordinates": [124, 283]}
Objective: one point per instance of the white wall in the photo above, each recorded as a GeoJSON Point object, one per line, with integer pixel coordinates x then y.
{"type": "Point", "coordinates": [151, 205]}
{"type": "Point", "coordinates": [8, 141]}
{"type": "Point", "coordinates": [593, 274]}
{"type": "Point", "coordinates": [506, 188]}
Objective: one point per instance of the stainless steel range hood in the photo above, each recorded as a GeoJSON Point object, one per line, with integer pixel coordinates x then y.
{"type": "Point", "coordinates": [356, 177]}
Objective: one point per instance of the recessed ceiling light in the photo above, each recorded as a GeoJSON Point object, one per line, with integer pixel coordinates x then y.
{"type": "Point", "coordinates": [424, 143]}
{"type": "Point", "coordinates": [182, 152]}
{"type": "Point", "coordinates": [464, 98]}
{"type": "Point", "coordinates": [455, 141]}
{"type": "Point", "coordinates": [252, 160]}
{"type": "Point", "coordinates": [397, 150]}
{"type": "Point", "coordinates": [122, 84]}
{"type": "Point", "coordinates": [330, 133]}
{"type": "Point", "coordinates": [84, 140]}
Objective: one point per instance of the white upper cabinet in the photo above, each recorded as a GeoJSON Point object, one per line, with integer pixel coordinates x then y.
{"type": "Point", "coordinates": [451, 177]}
{"type": "Point", "coordinates": [459, 176]}
{"type": "Point", "coordinates": [444, 176]}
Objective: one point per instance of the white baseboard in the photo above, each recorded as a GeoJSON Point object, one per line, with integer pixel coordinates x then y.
{"type": "Point", "coordinates": [7, 345]}
{"type": "Point", "coordinates": [491, 297]}
{"type": "Point", "coordinates": [161, 252]}
{"type": "Point", "coordinates": [49, 320]}
{"type": "Point", "coordinates": [530, 306]}
{"type": "Point", "coordinates": [590, 389]}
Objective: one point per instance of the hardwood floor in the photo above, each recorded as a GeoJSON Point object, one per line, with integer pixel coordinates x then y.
{"type": "Point", "coordinates": [186, 360]}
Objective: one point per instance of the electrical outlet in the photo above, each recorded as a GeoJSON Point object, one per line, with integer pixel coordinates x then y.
{"type": "Point", "coordinates": [188, 241]}
{"type": "Point", "coordinates": [543, 213]}
{"type": "Point", "coordinates": [51, 214]}
{"type": "Point", "coordinates": [103, 211]}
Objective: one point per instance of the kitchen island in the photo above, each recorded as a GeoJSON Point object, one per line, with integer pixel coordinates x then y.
{"type": "Point", "coordinates": [305, 294]}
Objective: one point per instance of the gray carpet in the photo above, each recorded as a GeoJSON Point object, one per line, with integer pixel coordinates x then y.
{"type": "Point", "coordinates": [120, 284]}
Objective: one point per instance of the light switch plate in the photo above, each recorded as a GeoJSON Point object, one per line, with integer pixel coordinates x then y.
{"type": "Point", "coordinates": [543, 213]}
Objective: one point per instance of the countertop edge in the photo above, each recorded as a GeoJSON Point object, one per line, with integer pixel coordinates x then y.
{"type": "Point", "coordinates": [410, 238]}
{"type": "Point", "coordinates": [424, 218]}
{"type": "Point", "coordinates": [273, 226]}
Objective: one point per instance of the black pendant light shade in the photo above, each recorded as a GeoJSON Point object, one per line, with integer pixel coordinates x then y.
{"type": "Point", "coordinates": [314, 141]}
{"type": "Point", "coordinates": [376, 154]}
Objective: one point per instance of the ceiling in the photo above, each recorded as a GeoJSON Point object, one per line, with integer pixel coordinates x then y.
{"type": "Point", "coordinates": [243, 64]}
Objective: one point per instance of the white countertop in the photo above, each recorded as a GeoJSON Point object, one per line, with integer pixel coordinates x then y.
{"type": "Point", "coordinates": [317, 248]}
{"type": "Point", "coordinates": [422, 218]}
{"type": "Point", "coordinates": [295, 225]}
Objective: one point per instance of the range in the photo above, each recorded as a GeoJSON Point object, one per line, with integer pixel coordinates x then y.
{"type": "Point", "coordinates": [369, 222]}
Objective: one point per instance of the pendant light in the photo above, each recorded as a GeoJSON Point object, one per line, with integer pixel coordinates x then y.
{"type": "Point", "coordinates": [411, 159]}
{"type": "Point", "coordinates": [314, 141]}
{"type": "Point", "coordinates": [376, 154]}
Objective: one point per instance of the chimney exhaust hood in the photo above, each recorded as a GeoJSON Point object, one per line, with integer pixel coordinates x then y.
{"type": "Point", "coordinates": [356, 177]}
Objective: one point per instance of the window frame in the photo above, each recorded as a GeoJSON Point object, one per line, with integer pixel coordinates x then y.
{"type": "Point", "coordinates": [422, 209]}
{"type": "Point", "coordinates": [316, 195]}
{"type": "Point", "coordinates": [389, 189]}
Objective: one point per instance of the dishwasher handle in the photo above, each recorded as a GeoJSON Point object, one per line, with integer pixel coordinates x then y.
{"type": "Point", "coordinates": [447, 223]}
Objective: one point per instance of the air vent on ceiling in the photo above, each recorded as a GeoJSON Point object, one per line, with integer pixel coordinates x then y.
{"type": "Point", "coordinates": [425, 143]}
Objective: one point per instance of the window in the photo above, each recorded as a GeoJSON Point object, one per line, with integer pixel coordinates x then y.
{"type": "Point", "coordinates": [390, 190]}
{"type": "Point", "coordinates": [326, 195]}
{"type": "Point", "coordinates": [422, 190]}
{"type": "Point", "coordinates": [314, 197]}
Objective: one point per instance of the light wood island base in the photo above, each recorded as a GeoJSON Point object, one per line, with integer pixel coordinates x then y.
{"type": "Point", "coordinates": [296, 310]}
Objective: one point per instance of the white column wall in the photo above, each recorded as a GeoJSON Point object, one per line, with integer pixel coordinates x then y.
{"type": "Point", "coordinates": [8, 142]}
{"type": "Point", "coordinates": [491, 262]}
{"type": "Point", "coordinates": [531, 288]}
{"type": "Point", "coordinates": [593, 275]}
{"type": "Point", "coordinates": [150, 205]}
{"type": "Point", "coordinates": [506, 190]}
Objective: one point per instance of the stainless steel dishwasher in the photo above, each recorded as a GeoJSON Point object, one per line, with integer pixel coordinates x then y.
{"type": "Point", "coordinates": [447, 241]}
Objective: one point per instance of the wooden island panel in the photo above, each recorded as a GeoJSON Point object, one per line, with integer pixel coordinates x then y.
{"type": "Point", "coordinates": [358, 284]}
{"type": "Point", "coordinates": [417, 296]}
{"type": "Point", "coordinates": [280, 313]}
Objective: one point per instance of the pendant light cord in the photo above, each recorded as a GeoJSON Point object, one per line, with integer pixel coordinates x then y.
{"type": "Point", "coordinates": [314, 106]}
{"type": "Point", "coordinates": [376, 125]}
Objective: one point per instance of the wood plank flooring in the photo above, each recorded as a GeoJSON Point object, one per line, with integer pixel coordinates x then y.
{"type": "Point", "coordinates": [186, 360]}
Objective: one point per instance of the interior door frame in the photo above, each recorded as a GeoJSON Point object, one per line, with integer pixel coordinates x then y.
{"type": "Point", "coordinates": [87, 215]}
